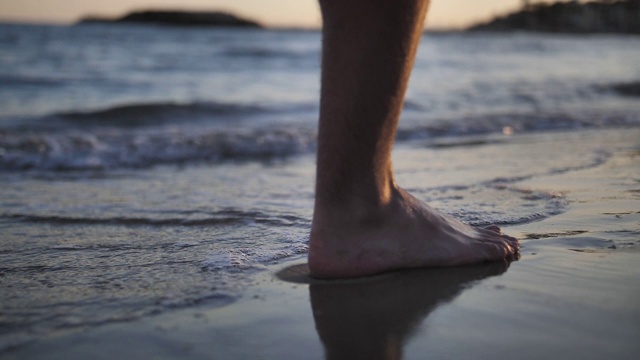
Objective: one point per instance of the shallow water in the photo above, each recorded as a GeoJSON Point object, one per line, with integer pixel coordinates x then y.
{"type": "Point", "coordinates": [146, 169]}
{"type": "Point", "coordinates": [81, 252]}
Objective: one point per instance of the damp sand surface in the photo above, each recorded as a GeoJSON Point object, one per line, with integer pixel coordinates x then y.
{"type": "Point", "coordinates": [573, 294]}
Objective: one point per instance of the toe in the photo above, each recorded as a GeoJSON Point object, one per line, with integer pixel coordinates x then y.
{"type": "Point", "coordinates": [499, 247]}
{"type": "Point", "coordinates": [494, 251]}
{"type": "Point", "coordinates": [494, 228]}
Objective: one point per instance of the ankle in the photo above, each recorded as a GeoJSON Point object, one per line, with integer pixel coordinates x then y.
{"type": "Point", "coordinates": [360, 200]}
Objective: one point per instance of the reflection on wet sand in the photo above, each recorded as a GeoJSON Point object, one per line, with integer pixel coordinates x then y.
{"type": "Point", "coordinates": [372, 318]}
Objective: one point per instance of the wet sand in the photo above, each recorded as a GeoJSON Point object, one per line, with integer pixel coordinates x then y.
{"type": "Point", "coordinates": [573, 294]}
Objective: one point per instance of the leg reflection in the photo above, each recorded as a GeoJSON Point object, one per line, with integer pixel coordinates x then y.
{"type": "Point", "coordinates": [373, 318]}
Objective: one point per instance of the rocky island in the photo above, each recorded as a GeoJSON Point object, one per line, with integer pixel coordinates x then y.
{"type": "Point", "coordinates": [178, 18]}
{"type": "Point", "coordinates": [604, 16]}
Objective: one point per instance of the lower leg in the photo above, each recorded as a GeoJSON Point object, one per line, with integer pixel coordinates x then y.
{"type": "Point", "coordinates": [363, 222]}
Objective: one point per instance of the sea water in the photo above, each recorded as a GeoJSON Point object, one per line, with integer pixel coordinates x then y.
{"type": "Point", "coordinates": [148, 168]}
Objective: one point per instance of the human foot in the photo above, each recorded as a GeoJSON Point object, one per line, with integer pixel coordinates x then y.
{"type": "Point", "coordinates": [349, 241]}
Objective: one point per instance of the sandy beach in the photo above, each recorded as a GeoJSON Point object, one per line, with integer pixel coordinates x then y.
{"type": "Point", "coordinates": [572, 295]}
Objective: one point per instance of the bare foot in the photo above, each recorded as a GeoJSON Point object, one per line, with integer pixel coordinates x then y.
{"type": "Point", "coordinates": [350, 241]}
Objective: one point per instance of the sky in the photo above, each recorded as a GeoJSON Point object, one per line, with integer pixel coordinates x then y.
{"type": "Point", "coordinates": [443, 14]}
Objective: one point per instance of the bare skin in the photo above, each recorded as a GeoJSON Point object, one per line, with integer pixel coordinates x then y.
{"type": "Point", "coordinates": [363, 222]}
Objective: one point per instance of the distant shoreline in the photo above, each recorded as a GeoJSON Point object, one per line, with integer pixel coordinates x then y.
{"type": "Point", "coordinates": [619, 17]}
{"type": "Point", "coordinates": [177, 18]}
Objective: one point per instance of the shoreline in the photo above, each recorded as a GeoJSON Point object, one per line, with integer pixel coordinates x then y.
{"type": "Point", "coordinates": [572, 295]}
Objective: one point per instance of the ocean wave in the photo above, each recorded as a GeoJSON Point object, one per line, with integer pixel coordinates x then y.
{"type": "Point", "coordinates": [514, 123]}
{"type": "Point", "coordinates": [29, 80]}
{"type": "Point", "coordinates": [105, 148]}
{"type": "Point", "coordinates": [222, 217]}
{"type": "Point", "coordinates": [156, 113]}
{"type": "Point", "coordinates": [630, 89]}
{"type": "Point", "coordinates": [267, 52]}
{"type": "Point", "coordinates": [109, 149]}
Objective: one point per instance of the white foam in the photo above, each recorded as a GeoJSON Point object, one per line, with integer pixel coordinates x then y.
{"type": "Point", "coordinates": [238, 259]}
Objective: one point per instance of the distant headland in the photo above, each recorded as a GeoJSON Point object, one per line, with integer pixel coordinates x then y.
{"type": "Point", "coordinates": [178, 18]}
{"type": "Point", "coordinates": [604, 16]}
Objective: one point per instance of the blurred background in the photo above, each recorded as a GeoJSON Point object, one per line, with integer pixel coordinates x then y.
{"type": "Point", "coordinates": [450, 14]}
